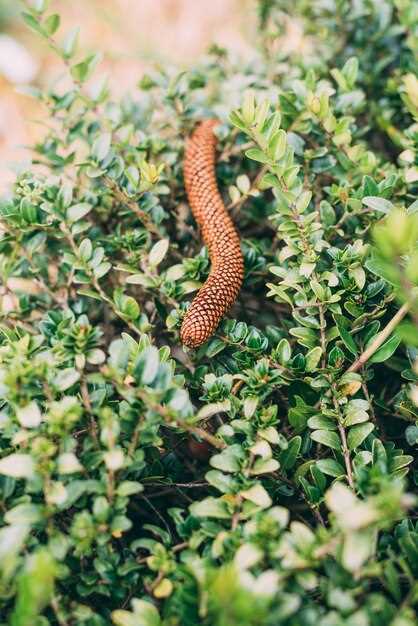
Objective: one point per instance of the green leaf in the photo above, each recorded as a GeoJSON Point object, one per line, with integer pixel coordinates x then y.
{"type": "Point", "coordinates": [264, 466]}
{"type": "Point", "coordinates": [350, 71]}
{"type": "Point", "coordinates": [102, 269]}
{"type": "Point", "coordinates": [146, 367]}
{"type": "Point", "coordinates": [223, 482]}
{"type": "Point", "coordinates": [132, 174]}
{"type": "Point", "coordinates": [210, 507]}
{"type": "Point", "coordinates": [257, 155]}
{"type": "Point", "coordinates": [327, 213]}
{"type": "Point", "coordinates": [330, 467]}
{"type": "Point", "coordinates": [95, 356]}
{"type": "Point", "coordinates": [306, 269]}
{"type": "Point", "coordinates": [94, 172]}
{"type": "Point", "coordinates": [229, 460]}
{"type": "Point", "coordinates": [298, 415]}
{"type": "Point", "coordinates": [247, 556]}
{"type": "Point", "coordinates": [144, 614]}
{"type": "Point", "coordinates": [262, 110]}
{"type": "Point", "coordinates": [214, 347]}
{"type": "Point", "coordinates": [130, 307]}
{"type": "Point", "coordinates": [319, 422]}
{"type": "Point", "coordinates": [51, 24]}
{"type": "Point", "coordinates": [70, 42]}
{"type": "Point", "coordinates": [29, 415]}
{"type": "Point", "coordinates": [24, 513]}
{"type": "Point", "coordinates": [68, 463]}
{"type": "Point", "coordinates": [77, 211]}
{"type": "Point", "coordinates": [279, 293]}
{"type": "Point", "coordinates": [33, 23]}
{"type": "Point", "coordinates": [243, 183]}
{"type": "Point", "coordinates": [128, 488]}
{"type": "Point", "coordinates": [17, 465]}
{"type": "Point", "coordinates": [237, 120]}
{"type": "Point", "coordinates": [378, 204]}
{"type": "Point", "coordinates": [258, 495]}
{"type": "Point", "coordinates": [35, 587]}
{"type": "Point", "coordinates": [179, 400]}
{"type": "Point", "coordinates": [356, 412]}
{"type": "Point", "coordinates": [101, 146]}
{"type": "Point", "coordinates": [357, 434]}
{"type": "Point", "coordinates": [356, 417]}
{"type": "Point", "coordinates": [158, 252]}
{"type": "Point", "coordinates": [359, 276]}
{"type": "Point", "coordinates": [383, 269]}
{"type": "Point", "coordinates": [83, 70]}
{"type": "Point", "coordinates": [312, 359]}
{"type": "Point", "coordinates": [327, 438]}
{"type": "Point", "coordinates": [277, 146]}
{"type": "Point", "coordinates": [66, 378]}
{"type": "Point", "coordinates": [401, 461]}
{"type": "Point", "coordinates": [283, 351]}
{"type": "Point", "coordinates": [339, 78]}
{"type": "Point", "coordinates": [86, 250]}
{"type": "Point", "coordinates": [386, 350]}
{"type": "Point", "coordinates": [268, 180]}
{"type": "Point", "coordinates": [343, 326]}
{"type": "Point", "coordinates": [248, 107]}
{"type": "Point", "coordinates": [306, 336]}
{"type": "Point", "coordinates": [250, 406]}
{"type": "Point", "coordinates": [303, 201]}
{"type": "Point", "coordinates": [120, 523]}
{"type": "Point", "coordinates": [288, 457]}
{"type": "Point", "coordinates": [89, 293]}
{"type": "Point", "coordinates": [214, 407]}
{"type": "Point", "coordinates": [12, 539]}
{"type": "Point", "coordinates": [358, 547]}
{"type": "Point", "coordinates": [392, 581]}
{"type": "Point", "coordinates": [139, 279]}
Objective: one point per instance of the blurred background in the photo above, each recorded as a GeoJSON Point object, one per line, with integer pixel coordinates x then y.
{"type": "Point", "coordinates": [134, 35]}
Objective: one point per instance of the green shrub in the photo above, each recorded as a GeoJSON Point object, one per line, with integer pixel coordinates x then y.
{"type": "Point", "coordinates": [267, 477]}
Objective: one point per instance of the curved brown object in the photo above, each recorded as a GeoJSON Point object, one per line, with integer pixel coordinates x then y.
{"type": "Point", "coordinates": [219, 234]}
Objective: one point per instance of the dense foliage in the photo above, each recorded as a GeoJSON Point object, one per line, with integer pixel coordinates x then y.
{"type": "Point", "coordinates": [266, 478]}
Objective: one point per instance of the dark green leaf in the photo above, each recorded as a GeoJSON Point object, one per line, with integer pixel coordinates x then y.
{"type": "Point", "coordinates": [327, 438]}
{"type": "Point", "coordinates": [357, 434]}
{"type": "Point", "coordinates": [343, 326]}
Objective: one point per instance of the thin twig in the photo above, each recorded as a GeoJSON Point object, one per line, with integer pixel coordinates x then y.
{"type": "Point", "coordinates": [124, 199]}
{"type": "Point", "coordinates": [322, 328]}
{"type": "Point", "coordinates": [87, 405]}
{"type": "Point", "coordinates": [346, 454]}
{"type": "Point", "coordinates": [215, 442]}
{"type": "Point", "coordinates": [346, 451]}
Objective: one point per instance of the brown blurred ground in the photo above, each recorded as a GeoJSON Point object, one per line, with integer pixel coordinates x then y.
{"type": "Point", "coordinates": [133, 34]}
